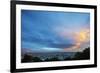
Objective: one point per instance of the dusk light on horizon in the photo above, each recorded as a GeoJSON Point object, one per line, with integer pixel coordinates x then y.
{"type": "Point", "coordinates": [51, 31]}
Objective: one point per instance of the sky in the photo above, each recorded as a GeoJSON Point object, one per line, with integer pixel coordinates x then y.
{"type": "Point", "coordinates": [51, 31]}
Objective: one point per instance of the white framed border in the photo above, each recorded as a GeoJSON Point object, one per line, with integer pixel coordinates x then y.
{"type": "Point", "coordinates": [20, 65]}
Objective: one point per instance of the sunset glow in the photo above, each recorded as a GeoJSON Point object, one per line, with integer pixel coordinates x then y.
{"type": "Point", "coordinates": [49, 31]}
{"type": "Point", "coordinates": [80, 38]}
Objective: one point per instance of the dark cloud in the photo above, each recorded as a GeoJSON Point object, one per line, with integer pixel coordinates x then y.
{"type": "Point", "coordinates": [61, 45]}
{"type": "Point", "coordinates": [38, 28]}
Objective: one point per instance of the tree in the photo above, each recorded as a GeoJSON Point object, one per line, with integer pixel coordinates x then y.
{"type": "Point", "coordinates": [52, 59]}
{"type": "Point", "coordinates": [27, 58]}
{"type": "Point", "coordinates": [36, 59]}
{"type": "Point", "coordinates": [67, 58]}
{"type": "Point", "coordinates": [83, 55]}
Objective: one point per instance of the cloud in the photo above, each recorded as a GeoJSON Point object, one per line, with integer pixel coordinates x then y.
{"type": "Point", "coordinates": [80, 39]}
{"type": "Point", "coordinates": [68, 45]}
{"type": "Point", "coordinates": [53, 29]}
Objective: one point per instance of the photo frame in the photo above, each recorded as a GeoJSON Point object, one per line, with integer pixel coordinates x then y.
{"type": "Point", "coordinates": [45, 29]}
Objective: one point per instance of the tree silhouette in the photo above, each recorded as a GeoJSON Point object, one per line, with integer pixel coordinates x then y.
{"type": "Point", "coordinates": [83, 55]}
{"type": "Point", "coordinates": [68, 58]}
{"type": "Point", "coordinates": [78, 56]}
{"type": "Point", "coordinates": [52, 59]}
{"type": "Point", "coordinates": [36, 59]}
{"type": "Point", "coordinates": [27, 58]}
{"type": "Point", "coordinates": [47, 59]}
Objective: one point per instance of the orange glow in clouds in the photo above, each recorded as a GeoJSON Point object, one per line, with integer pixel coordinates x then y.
{"type": "Point", "coordinates": [80, 37]}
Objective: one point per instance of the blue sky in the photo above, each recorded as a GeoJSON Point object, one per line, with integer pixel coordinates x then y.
{"type": "Point", "coordinates": [49, 31]}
